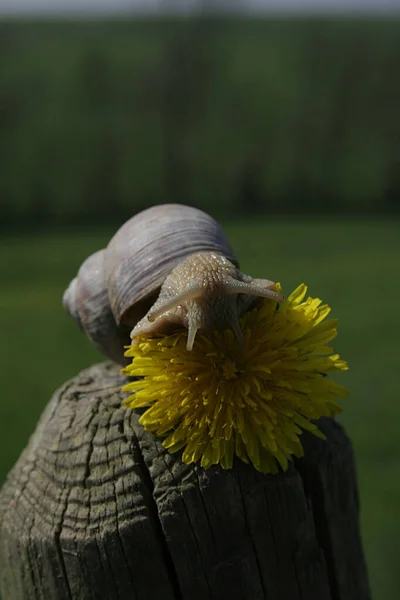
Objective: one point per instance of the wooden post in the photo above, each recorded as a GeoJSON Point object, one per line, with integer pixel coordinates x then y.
{"type": "Point", "coordinates": [96, 509]}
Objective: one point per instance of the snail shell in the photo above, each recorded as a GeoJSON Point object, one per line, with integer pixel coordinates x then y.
{"type": "Point", "coordinates": [168, 266]}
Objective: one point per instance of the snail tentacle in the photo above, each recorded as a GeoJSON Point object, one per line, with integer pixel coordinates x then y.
{"type": "Point", "coordinates": [165, 305]}
{"type": "Point", "coordinates": [235, 286]}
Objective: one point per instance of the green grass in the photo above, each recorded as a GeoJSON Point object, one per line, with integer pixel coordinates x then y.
{"type": "Point", "coordinates": [351, 265]}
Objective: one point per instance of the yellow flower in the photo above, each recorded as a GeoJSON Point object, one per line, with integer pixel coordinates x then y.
{"type": "Point", "coordinates": [252, 400]}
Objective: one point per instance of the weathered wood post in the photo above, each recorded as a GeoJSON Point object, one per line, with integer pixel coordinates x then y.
{"type": "Point", "coordinates": [96, 509]}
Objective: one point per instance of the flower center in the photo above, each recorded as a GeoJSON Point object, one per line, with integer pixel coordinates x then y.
{"type": "Point", "coordinates": [229, 369]}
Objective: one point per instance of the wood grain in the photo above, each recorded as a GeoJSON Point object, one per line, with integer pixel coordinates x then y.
{"type": "Point", "coordinates": [96, 509]}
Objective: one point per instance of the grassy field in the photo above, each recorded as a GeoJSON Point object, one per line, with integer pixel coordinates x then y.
{"type": "Point", "coordinates": [351, 265]}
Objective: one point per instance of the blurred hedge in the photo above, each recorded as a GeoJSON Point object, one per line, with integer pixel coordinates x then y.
{"type": "Point", "coordinates": [100, 119]}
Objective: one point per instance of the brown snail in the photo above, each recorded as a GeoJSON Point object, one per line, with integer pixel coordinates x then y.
{"type": "Point", "coordinates": [168, 266]}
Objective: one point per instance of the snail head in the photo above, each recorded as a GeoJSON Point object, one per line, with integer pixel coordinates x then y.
{"type": "Point", "coordinates": [204, 292]}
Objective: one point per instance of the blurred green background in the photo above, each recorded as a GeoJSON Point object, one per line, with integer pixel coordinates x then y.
{"type": "Point", "coordinates": [287, 131]}
{"type": "Point", "coordinates": [235, 116]}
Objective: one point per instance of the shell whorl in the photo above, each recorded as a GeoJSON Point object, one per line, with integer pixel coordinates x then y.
{"type": "Point", "coordinates": [148, 246]}
{"type": "Point", "coordinates": [70, 301]}
{"type": "Point", "coordinates": [86, 300]}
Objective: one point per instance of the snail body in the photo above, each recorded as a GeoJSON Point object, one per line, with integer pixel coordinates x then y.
{"type": "Point", "coordinates": [168, 266]}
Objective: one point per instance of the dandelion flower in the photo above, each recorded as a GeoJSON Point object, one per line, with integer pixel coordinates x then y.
{"type": "Point", "coordinates": [250, 399]}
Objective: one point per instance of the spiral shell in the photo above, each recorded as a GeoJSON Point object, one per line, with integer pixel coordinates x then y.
{"type": "Point", "coordinates": [115, 287]}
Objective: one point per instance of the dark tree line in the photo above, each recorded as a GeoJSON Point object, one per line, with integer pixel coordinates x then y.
{"type": "Point", "coordinates": [236, 116]}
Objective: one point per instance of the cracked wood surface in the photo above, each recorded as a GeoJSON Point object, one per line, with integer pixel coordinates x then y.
{"type": "Point", "coordinates": [96, 509]}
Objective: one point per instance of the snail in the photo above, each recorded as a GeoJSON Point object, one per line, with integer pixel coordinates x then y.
{"type": "Point", "coordinates": [168, 266]}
